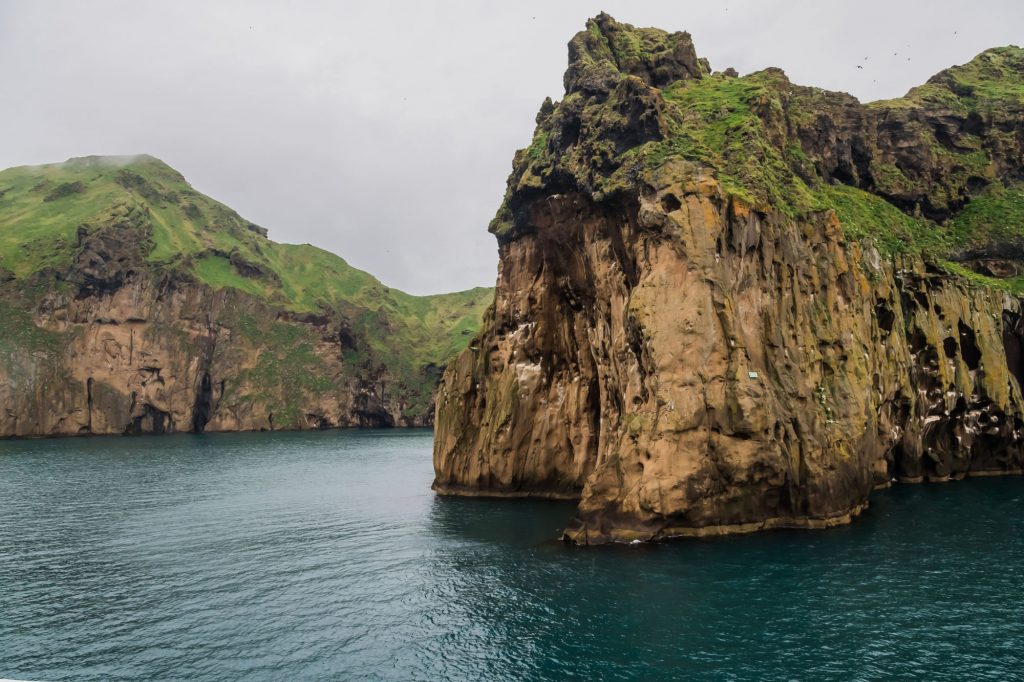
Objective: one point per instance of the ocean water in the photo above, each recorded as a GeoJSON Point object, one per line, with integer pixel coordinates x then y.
{"type": "Point", "coordinates": [326, 556]}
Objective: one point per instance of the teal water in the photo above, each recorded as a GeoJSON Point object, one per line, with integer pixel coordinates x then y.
{"type": "Point", "coordinates": [326, 556]}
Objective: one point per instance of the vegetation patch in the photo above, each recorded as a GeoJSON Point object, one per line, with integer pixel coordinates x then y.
{"type": "Point", "coordinates": [865, 216]}
{"type": "Point", "coordinates": [218, 272]}
{"type": "Point", "coordinates": [287, 368]}
{"type": "Point", "coordinates": [720, 121]}
{"type": "Point", "coordinates": [1012, 285]}
{"type": "Point", "coordinates": [18, 333]}
{"type": "Point", "coordinates": [996, 216]}
{"type": "Point", "coordinates": [65, 189]}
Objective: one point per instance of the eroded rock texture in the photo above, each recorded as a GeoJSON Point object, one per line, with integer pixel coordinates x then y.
{"type": "Point", "coordinates": [713, 319]}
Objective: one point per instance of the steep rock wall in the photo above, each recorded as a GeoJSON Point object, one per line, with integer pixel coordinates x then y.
{"type": "Point", "coordinates": [109, 345]}
{"type": "Point", "coordinates": [690, 342]}
{"type": "Point", "coordinates": [710, 368]}
{"type": "Point", "coordinates": [163, 357]}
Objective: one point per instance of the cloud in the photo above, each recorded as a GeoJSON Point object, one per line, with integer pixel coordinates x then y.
{"type": "Point", "coordinates": [384, 131]}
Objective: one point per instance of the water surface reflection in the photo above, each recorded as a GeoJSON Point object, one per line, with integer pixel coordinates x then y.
{"type": "Point", "coordinates": [325, 555]}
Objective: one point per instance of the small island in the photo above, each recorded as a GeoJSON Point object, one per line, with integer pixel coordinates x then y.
{"type": "Point", "coordinates": [732, 303]}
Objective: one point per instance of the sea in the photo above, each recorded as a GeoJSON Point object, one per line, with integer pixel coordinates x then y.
{"type": "Point", "coordinates": [325, 556]}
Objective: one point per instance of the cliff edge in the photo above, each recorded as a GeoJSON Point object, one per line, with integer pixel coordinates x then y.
{"type": "Point", "coordinates": [731, 303]}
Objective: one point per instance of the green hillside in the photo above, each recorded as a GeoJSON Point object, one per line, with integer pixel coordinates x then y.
{"type": "Point", "coordinates": [83, 228]}
{"type": "Point", "coordinates": [41, 208]}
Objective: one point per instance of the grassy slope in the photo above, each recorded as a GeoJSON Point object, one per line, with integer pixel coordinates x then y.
{"type": "Point", "coordinates": [721, 122]}
{"type": "Point", "coordinates": [41, 208]}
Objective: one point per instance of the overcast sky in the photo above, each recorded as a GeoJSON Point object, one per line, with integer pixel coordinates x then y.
{"type": "Point", "coordinates": [384, 131]}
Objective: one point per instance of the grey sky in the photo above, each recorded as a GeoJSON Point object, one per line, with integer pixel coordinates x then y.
{"type": "Point", "coordinates": [384, 131]}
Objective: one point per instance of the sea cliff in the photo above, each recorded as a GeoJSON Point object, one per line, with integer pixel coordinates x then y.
{"type": "Point", "coordinates": [131, 303]}
{"type": "Point", "coordinates": [733, 303]}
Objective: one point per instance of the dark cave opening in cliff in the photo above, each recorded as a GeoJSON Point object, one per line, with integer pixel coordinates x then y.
{"type": "Point", "coordinates": [1013, 346]}
{"type": "Point", "coordinates": [203, 405]}
{"type": "Point", "coordinates": [969, 346]}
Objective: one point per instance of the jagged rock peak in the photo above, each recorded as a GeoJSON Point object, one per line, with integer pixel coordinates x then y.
{"type": "Point", "coordinates": [607, 49]}
{"type": "Point", "coordinates": [637, 99]}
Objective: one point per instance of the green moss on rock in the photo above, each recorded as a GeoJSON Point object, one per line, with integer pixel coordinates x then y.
{"type": "Point", "coordinates": [902, 174]}
{"type": "Point", "coordinates": [996, 216]}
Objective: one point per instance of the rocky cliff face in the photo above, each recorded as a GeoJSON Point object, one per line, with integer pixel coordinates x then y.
{"type": "Point", "coordinates": [129, 303]}
{"type": "Point", "coordinates": [727, 304]}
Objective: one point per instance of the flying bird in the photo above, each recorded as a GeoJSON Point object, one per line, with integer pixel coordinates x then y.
{"type": "Point", "coordinates": [859, 66]}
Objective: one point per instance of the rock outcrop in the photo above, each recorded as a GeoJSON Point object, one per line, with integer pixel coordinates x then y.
{"type": "Point", "coordinates": [133, 304]}
{"type": "Point", "coordinates": [727, 304]}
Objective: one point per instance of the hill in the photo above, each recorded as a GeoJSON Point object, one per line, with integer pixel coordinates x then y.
{"type": "Point", "coordinates": [132, 302]}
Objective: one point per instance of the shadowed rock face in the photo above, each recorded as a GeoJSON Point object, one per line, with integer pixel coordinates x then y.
{"type": "Point", "coordinates": [725, 304]}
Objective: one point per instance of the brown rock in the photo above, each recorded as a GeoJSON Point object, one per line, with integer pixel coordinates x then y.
{"type": "Point", "coordinates": [687, 363]}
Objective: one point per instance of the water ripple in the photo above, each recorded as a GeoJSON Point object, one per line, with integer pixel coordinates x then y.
{"type": "Point", "coordinates": [325, 556]}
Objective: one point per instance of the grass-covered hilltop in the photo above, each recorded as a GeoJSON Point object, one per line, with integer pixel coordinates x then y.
{"type": "Point", "coordinates": [130, 302]}
{"type": "Point", "coordinates": [728, 303]}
